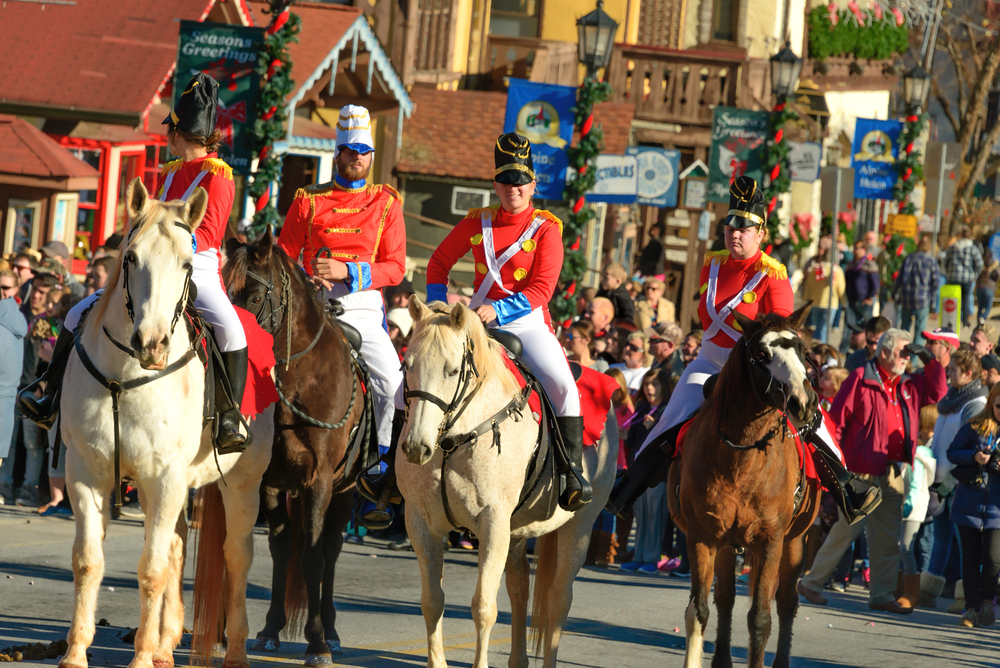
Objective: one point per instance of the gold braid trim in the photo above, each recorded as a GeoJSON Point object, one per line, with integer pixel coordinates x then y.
{"type": "Point", "coordinates": [389, 189]}
{"type": "Point", "coordinates": [171, 167]}
{"type": "Point", "coordinates": [479, 213]}
{"type": "Point", "coordinates": [723, 256]}
{"type": "Point", "coordinates": [771, 267]}
{"type": "Point", "coordinates": [547, 215]}
{"type": "Point", "coordinates": [217, 167]}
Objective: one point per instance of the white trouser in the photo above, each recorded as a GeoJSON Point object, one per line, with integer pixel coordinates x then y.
{"type": "Point", "coordinates": [212, 302]}
{"type": "Point", "coordinates": [365, 311]}
{"type": "Point", "coordinates": [545, 358]}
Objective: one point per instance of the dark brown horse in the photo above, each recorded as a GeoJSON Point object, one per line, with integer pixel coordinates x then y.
{"type": "Point", "coordinates": [739, 486]}
{"type": "Point", "coordinates": [308, 486]}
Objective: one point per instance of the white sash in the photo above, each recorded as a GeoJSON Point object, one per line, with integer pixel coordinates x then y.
{"type": "Point", "coordinates": [719, 318]}
{"type": "Point", "coordinates": [187, 193]}
{"type": "Point", "coordinates": [493, 263]}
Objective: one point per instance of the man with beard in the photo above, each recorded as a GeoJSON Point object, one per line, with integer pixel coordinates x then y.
{"type": "Point", "coordinates": [353, 243]}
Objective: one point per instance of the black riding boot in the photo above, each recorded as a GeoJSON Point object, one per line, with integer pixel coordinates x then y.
{"type": "Point", "coordinates": [372, 486]}
{"type": "Point", "coordinates": [576, 492]}
{"type": "Point", "coordinates": [43, 411]}
{"type": "Point", "coordinates": [653, 461]}
{"type": "Point", "coordinates": [855, 497]}
{"type": "Point", "coordinates": [229, 438]}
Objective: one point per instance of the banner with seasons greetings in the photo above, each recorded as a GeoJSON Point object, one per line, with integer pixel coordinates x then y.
{"type": "Point", "coordinates": [873, 157]}
{"type": "Point", "coordinates": [229, 54]}
{"type": "Point", "coordinates": [738, 139]}
{"type": "Point", "coordinates": [543, 113]}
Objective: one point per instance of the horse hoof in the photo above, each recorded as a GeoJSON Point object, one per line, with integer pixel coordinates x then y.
{"type": "Point", "coordinates": [70, 665]}
{"type": "Point", "coordinates": [163, 663]}
{"type": "Point", "coordinates": [314, 660]}
{"type": "Point", "coordinates": [334, 647]}
{"type": "Point", "coordinates": [218, 650]}
{"type": "Point", "coordinates": [263, 644]}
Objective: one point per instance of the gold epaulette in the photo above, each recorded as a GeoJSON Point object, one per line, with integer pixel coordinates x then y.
{"type": "Point", "coordinates": [723, 256]}
{"type": "Point", "coordinates": [479, 213]}
{"type": "Point", "coordinates": [375, 189]}
{"type": "Point", "coordinates": [217, 167]}
{"type": "Point", "coordinates": [171, 167]}
{"type": "Point", "coordinates": [771, 267]}
{"type": "Point", "coordinates": [548, 215]}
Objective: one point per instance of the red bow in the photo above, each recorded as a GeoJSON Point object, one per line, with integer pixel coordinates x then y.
{"type": "Point", "coordinates": [226, 116]}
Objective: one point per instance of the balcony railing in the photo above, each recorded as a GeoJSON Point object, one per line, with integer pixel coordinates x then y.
{"type": "Point", "coordinates": [845, 73]}
{"type": "Point", "coordinates": [533, 59]}
{"type": "Point", "coordinates": [682, 87]}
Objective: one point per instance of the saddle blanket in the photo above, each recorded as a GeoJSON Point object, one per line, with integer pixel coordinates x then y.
{"type": "Point", "coordinates": [260, 391]}
{"type": "Point", "coordinates": [805, 449]}
{"type": "Point", "coordinates": [595, 399]}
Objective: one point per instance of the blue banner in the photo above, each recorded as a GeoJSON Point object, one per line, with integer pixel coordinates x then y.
{"type": "Point", "coordinates": [657, 171]}
{"type": "Point", "coordinates": [541, 112]}
{"type": "Point", "coordinates": [873, 158]}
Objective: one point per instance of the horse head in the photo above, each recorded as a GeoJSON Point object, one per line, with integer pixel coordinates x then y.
{"type": "Point", "coordinates": [776, 359]}
{"type": "Point", "coordinates": [255, 276]}
{"type": "Point", "coordinates": [449, 358]}
{"type": "Point", "coordinates": [155, 267]}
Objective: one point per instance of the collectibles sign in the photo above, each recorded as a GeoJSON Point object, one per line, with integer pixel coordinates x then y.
{"type": "Point", "coordinates": [229, 54]}
{"type": "Point", "coordinates": [738, 139]}
{"type": "Point", "coordinates": [657, 171]}
{"type": "Point", "coordinates": [873, 158]}
{"type": "Point", "coordinates": [616, 180]}
{"type": "Point", "coordinates": [542, 113]}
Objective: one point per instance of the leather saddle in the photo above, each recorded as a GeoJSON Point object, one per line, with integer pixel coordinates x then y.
{"type": "Point", "coordinates": [509, 341]}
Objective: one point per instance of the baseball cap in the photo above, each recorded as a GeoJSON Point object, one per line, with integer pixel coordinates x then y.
{"type": "Point", "coordinates": [942, 334]}
{"type": "Point", "coordinates": [990, 361]}
{"type": "Point", "coordinates": [55, 248]}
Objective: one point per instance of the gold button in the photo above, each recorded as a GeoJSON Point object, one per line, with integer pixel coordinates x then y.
{"type": "Point", "coordinates": [528, 245]}
{"type": "Point", "coordinates": [481, 268]}
{"type": "Point", "coordinates": [750, 297]}
{"type": "Point", "coordinates": [476, 240]}
{"type": "Point", "coordinates": [520, 274]}
{"type": "Point", "coordinates": [703, 288]}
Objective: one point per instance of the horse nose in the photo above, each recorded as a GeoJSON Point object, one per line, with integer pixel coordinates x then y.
{"type": "Point", "coordinates": [152, 351]}
{"type": "Point", "coordinates": [417, 453]}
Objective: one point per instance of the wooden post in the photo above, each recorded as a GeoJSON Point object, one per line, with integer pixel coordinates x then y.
{"type": "Point", "coordinates": [410, 41]}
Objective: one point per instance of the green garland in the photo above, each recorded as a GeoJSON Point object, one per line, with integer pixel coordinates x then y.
{"type": "Point", "coordinates": [895, 252]}
{"type": "Point", "coordinates": [582, 158]}
{"type": "Point", "coordinates": [909, 164]}
{"type": "Point", "coordinates": [876, 41]}
{"type": "Point", "coordinates": [777, 172]}
{"type": "Point", "coordinates": [274, 68]}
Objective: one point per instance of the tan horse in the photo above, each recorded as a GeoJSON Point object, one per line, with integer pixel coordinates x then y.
{"type": "Point", "coordinates": [483, 482]}
{"type": "Point", "coordinates": [164, 447]}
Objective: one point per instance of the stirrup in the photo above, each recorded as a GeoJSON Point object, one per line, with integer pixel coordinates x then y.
{"type": "Point", "coordinates": [40, 411]}
{"type": "Point", "coordinates": [228, 440]}
{"type": "Point", "coordinates": [869, 502]}
{"type": "Point", "coordinates": [374, 487]}
{"type": "Point", "coordinates": [573, 497]}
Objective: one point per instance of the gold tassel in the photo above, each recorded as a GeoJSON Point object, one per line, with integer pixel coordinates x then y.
{"type": "Point", "coordinates": [217, 167]}
{"type": "Point", "coordinates": [723, 256]}
{"type": "Point", "coordinates": [171, 167]}
{"type": "Point", "coordinates": [548, 215]}
{"type": "Point", "coordinates": [771, 267]}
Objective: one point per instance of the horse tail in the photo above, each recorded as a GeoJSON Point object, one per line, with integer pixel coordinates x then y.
{"type": "Point", "coordinates": [296, 595]}
{"type": "Point", "coordinates": [211, 587]}
{"type": "Point", "coordinates": [547, 555]}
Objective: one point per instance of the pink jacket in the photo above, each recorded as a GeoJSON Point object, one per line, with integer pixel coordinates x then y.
{"type": "Point", "coordinates": [859, 412]}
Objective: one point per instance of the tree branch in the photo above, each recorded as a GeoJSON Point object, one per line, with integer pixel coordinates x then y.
{"type": "Point", "coordinates": [977, 99]}
{"type": "Point", "coordinates": [961, 70]}
{"type": "Point", "coordinates": [945, 103]}
{"type": "Point", "coordinates": [979, 163]}
{"type": "Point", "coordinates": [977, 58]}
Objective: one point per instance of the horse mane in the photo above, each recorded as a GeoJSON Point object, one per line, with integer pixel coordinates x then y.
{"type": "Point", "coordinates": [234, 271]}
{"type": "Point", "coordinates": [486, 352]}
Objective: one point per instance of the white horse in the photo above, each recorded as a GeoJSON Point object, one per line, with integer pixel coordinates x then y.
{"type": "Point", "coordinates": [483, 484]}
{"type": "Point", "coordinates": [163, 446]}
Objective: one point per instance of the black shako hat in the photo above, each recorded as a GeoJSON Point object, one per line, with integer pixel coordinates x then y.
{"type": "Point", "coordinates": [746, 204]}
{"type": "Point", "coordinates": [512, 156]}
{"type": "Point", "coordinates": [194, 112]}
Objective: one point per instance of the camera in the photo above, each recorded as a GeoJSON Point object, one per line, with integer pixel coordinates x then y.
{"type": "Point", "coordinates": [993, 466]}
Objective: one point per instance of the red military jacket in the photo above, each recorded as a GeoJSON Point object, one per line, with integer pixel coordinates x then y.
{"type": "Point", "coordinates": [757, 285]}
{"type": "Point", "coordinates": [362, 227]}
{"type": "Point", "coordinates": [178, 180]}
{"type": "Point", "coordinates": [528, 277]}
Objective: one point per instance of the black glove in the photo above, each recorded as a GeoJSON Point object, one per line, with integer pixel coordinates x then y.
{"type": "Point", "coordinates": [918, 350]}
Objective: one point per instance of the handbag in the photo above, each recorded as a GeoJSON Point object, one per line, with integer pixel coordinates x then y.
{"type": "Point", "coordinates": [970, 475]}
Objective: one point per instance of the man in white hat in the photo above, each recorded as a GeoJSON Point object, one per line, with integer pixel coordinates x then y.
{"type": "Point", "coordinates": [353, 242]}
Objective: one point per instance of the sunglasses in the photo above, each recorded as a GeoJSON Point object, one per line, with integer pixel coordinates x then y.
{"type": "Point", "coordinates": [8, 287]}
{"type": "Point", "coordinates": [871, 343]}
{"type": "Point", "coordinates": [632, 348]}
{"type": "Point", "coordinates": [568, 336]}
{"type": "Point", "coordinates": [652, 341]}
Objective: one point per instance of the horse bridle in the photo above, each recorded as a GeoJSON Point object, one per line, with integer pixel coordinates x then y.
{"type": "Point", "coordinates": [276, 311]}
{"type": "Point", "coordinates": [179, 308]}
{"type": "Point", "coordinates": [459, 402]}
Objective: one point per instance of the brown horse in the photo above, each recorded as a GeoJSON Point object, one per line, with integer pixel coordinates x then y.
{"type": "Point", "coordinates": [322, 402]}
{"type": "Point", "coordinates": [739, 486]}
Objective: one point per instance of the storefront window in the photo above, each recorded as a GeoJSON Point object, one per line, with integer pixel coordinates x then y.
{"type": "Point", "coordinates": [131, 167]}
{"type": "Point", "coordinates": [515, 18]}
{"type": "Point", "coordinates": [87, 206]}
{"type": "Point", "coordinates": [24, 220]}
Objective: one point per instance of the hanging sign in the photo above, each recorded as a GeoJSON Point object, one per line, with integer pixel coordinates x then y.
{"type": "Point", "coordinates": [738, 139]}
{"type": "Point", "coordinates": [657, 171]}
{"type": "Point", "coordinates": [543, 114]}
{"type": "Point", "coordinates": [616, 180]}
{"type": "Point", "coordinates": [873, 158]}
{"type": "Point", "coordinates": [805, 159]}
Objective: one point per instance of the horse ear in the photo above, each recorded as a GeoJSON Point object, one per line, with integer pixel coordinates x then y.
{"type": "Point", "coordinates": [264, 247]}
{"type": "Point", "coordinates": [459, 315]}
{"type": "Point", "coordinates": [195, 207]}
{"type": "Point", "coordinates": [136, 197]}
{"type": "Point", "coordinates": [418, 310]}
{"type": "Point", "coordinates": [746, 324]}
{"type": "Point", "coordinates": [798, 318]}
{"type": "Point", "coordinates": [232, 245]}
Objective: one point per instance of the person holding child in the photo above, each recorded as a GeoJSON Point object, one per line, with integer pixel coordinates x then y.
{"type": "Point", "coordinates": [613, 288]}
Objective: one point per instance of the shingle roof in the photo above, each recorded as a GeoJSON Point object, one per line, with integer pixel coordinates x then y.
{"type": "Point", "coordinates": [107, 55]}
{"type": "Point", "coordinates": [27, 151]}
{"type": "Point", "coordinates": [451, 133]}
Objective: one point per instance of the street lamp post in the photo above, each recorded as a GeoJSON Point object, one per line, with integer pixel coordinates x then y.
{"type": "Point", "coordinates": [596, 32]}
{"type": "Point", "coordinates": [916, 85]}
{"type": "Point", "coordinates": [785, 68]}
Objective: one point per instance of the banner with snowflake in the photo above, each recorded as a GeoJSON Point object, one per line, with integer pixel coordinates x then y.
{"type": "Point", "coordinates": [657, 170]}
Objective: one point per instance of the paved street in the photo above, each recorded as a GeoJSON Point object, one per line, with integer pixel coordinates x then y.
{"type": "Point", "coordinates": [616, 620]}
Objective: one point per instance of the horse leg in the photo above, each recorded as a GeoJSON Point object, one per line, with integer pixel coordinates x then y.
{"type": "Point", "coordinates": [494, 544]}
{"type": "Point", "coordinates": [166, 496]}
{"type": "Point", "coordinates": [90, 511]}
{"type": "Point", "coordinates": [725, 597]}
{"type": "Point", "coordinates": [763, 576]}
{"type": "Point", "coordinates": [518, 584]}
{"type": "Point", "coordinates": [241, 501]}
{"type": "Point", "coordinates": [316, 500]}
{"type": "Point", "coordinates": [702, 558]}
{"type": "Point", "coordinates": [787, 599]}
{"type": "Point", "coordinates": [279, 542]}
{"type": "Point", "coordinates": [430, 556]}
{"type": "Point", "coordinates": [571, 550]}
{"type": "Point", "coordinates": [337, 516]}
{"type": "Point", "coordinates": [172, 620]}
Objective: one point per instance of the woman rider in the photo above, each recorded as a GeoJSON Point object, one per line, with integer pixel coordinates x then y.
{"type": "Point", "coordinates": [192, 136]}
{"type": "Point", "coordinates": [743, 278]}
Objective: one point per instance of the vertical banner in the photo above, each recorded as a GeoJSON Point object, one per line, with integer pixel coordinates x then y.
{"type": "Point", "coordinates": [229, 54]}
{"type": "Point", "coordinates": [542, 113]}
{"type": "Point", "coordinates": [951, 308]}
{"type": "Point", "coordinates": [873, 157]}
{"type": "Point", "coordinates": [657, 172]}
{"type": "Point", "coordinates": [738, 139]}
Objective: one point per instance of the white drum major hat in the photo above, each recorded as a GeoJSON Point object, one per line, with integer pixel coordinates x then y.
{"type": "Point", "coordinates": [354, 130]}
